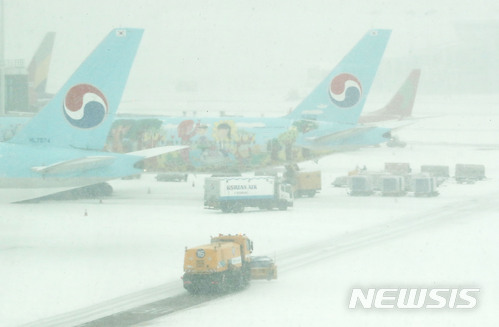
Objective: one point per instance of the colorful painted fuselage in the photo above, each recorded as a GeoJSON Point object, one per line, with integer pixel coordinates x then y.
{"type": "Point", "coordinates": [324, 122]}
{"type": "Point", "coordinates": [239, 143]}
{"type": "Point", "coordinates": [58, 146]}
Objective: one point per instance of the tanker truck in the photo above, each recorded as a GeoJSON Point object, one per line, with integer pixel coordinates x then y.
{"type": "Point", "coordinates": [233, 194]}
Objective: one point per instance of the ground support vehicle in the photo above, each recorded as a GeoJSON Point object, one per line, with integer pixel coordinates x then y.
{"type": "Point", "coordinates": [307, 183]}
{"type": "Point", "coordinates": [340, 181]}
{"type": "Point", "coordinates": [398, 168]}
{"type": "Point", "coordinates": [263, 267]}
{"type": "Point", "coordinates": [233, 194]}
{"type": "Point", "coordinates": [424, 186]}
{"type": "Point", "coordinates": [224, 265]}
{"type": "Point", "coordinates": [172, 177]}
{"type": "Point", "coordinates": [304, 183]}
{"type": "Point", "coordinates": [395, 142]}
{"type": "Point", "coordinates": [360, 185]}
{"type": "Point", "coordinates": [393, 185]}
{"type": "Point", "coordinates": [376, 177]}
{"type": "Point", "coordinates": [466, 173]}
{"type": "Point", "coordinates": [438, 171]}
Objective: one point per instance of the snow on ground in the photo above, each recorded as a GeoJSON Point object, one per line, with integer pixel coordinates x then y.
{"type": "Point", "coordinates": [451, 255]}
{"type": "Point", "coordinates": [55, 258]}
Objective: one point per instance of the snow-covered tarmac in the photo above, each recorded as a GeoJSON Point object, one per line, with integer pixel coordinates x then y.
{"type": "Point", "coordinates": [56, 259]}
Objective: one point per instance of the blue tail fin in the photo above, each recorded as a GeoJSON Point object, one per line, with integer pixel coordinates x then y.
{"type": "Point", "coordinates": [81, 113]}
{"type": "Point", "coordinates": [342, 94]}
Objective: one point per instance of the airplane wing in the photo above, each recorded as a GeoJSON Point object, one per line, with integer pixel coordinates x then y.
{"type": "Point", "coordinates": [346, 139]}
{"type": "Point", "coordinates": [153, 152]}
{"type": "Point", "coordinates": [93, 162]}
{"type": "Point", "coordinates": [331, 137]}
{"type": "Point", "coordinates": [394, 125]}
{"type": "Point", "coordinates": [80, 164]}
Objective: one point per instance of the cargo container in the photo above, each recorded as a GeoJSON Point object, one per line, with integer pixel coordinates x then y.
{"type": "Point", "coordinates": [398, 168]}
{"type": "Point", "coordinates": [466, 173]}
{"type": "Point", "coordinates": [436, 170]}
{"type": "Point", "coordinates": [304, 183]}
{"type": "Point", "coordinates": [360, 185]}
{"type": "Point", "coordinates": [424, 186]}
{"type": "Point", "coordinates": [393, 185]}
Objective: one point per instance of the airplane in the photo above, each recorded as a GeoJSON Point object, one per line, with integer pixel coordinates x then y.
{"type": "Point", "coordinates": [38, 73]}
{"type": "Point", "coordinates": [324, 122]}
{"type": "Point", "coordinates": [61, 147]}
{"type": "Point", "coordinates": [400, 106]}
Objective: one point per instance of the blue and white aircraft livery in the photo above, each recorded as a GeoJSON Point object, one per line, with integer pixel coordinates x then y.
{"type": "Point", "coordinates": [326, 121]}
{"type": "Point", "coordinates": [62, 146]}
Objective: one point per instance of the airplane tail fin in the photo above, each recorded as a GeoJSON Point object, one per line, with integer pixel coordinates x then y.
{"type": "Point", "coordinates": [402, 103]}
{"type": "Point", "coordinates": [38, 70]}
{"type": "Point", "coordinates": [342, 94]}
{"type": "Point", "coordinates": [81, 113]}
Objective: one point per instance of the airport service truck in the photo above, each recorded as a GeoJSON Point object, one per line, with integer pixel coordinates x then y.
{"type": "Point", "coordinates": [307, 183]}
{"type": "Point", "coordinates": [233, 194]}
{"type": "Point", "coordinates": [304, 183]}
{"type": "Point", "coordinates": [466, 173]}
{"type": "Point", "coordinates": [224, 265]}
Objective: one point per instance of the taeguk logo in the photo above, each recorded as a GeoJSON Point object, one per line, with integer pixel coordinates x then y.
{"type": "Point", "coordinates": [85, 106]}
{"type": "Point", "coordinates": [345, 90]}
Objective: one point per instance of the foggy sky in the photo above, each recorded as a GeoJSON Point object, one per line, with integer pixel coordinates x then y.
{"type": "Point", "coordinates": [257, 50]}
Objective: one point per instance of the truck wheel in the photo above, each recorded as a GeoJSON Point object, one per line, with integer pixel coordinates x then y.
{"type": "Point", "coordinates": [311, 193]}
{"type": "Point", "coordinates": [242, 283]}
{"type": "Point", "coordinates": [283, 206]}
{"type": "Point", "coordinates": [225, 207]}
{"type": "Point", "coordinates": [237, 207]}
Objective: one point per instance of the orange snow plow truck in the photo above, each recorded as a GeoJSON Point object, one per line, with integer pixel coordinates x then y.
{"type": "Point", "coordinates": [224, 265]}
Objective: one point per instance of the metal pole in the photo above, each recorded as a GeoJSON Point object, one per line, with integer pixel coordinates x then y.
{"type": "Point", "coordinates": [2, 62]}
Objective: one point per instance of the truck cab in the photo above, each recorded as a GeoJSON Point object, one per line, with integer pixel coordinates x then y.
{"type": "Point", "coordinates": [285, 193]}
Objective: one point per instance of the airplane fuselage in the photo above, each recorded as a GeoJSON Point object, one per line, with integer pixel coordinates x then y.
{"type": "Point", "coordinates": [50, 150]}
{"type": "Point", "coordinates": [217, 143]}
{"type": "Point", "coordinates": [242, 143]}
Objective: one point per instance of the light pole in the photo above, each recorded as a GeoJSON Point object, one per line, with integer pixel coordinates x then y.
{"type": "Point", "coordinates": [2, 62]}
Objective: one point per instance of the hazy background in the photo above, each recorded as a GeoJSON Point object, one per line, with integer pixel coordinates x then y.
{"type": "Point", "coordinates": [264, 55]}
